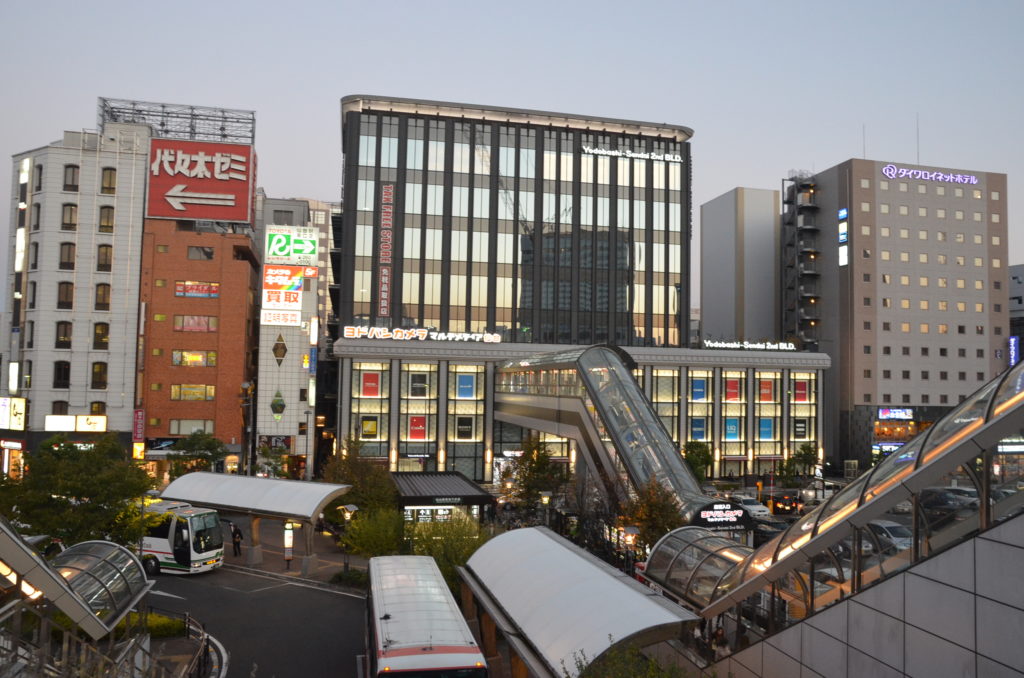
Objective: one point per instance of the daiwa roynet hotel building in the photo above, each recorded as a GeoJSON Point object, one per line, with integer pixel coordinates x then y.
{"type": "Point", "coordinates": [474, 235]}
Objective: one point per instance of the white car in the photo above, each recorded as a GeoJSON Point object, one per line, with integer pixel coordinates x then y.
{"type": "Point", "coordinates": [892, 533]}
{"type": "Point", "coordinates": [753, 506]}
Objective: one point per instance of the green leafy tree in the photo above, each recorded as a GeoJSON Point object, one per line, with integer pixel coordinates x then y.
{"type": "Point", "coordinates": [375, 533]}
{"type": "Point", "coordinates": [698, 456]}
{"type": "Point", "coordinates": [451, 543]}
{"type": "Point", "coordinates": [200, 451]}
{"type": "Point", "coordinates": [372, 487]}
{"type": "Point", "coordinates": [655, 511]}
{"type": "Point", "coordinates": [806, 457]}
{"type": "Point", "coordinates": [534, 472]}
{"type": "Point", "coordinates": [79, 494]}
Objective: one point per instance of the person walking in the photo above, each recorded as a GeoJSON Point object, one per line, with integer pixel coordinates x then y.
{"type": "Point", "coordinates": [236, 539]}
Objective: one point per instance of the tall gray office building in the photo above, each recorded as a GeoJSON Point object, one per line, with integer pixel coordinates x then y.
{"type": "Point", "coordinates": [899, 273]}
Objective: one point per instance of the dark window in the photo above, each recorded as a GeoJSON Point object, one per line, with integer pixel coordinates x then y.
{"type": "Point", "coordinates": [943, 399]}
{"type": "Point", "coordinates": [62, 374]}
{"type": "Point", "coordinates": [943, 353]}
{"type": "Point", "coordinates": [26, 374]}
{"type": "Point", "coordinates": [996, 284]}
{"type": "Point", "coordinates": [36, 215]}
{"type": "Point", "coordinates": [961, 353]}
{"type": "Point", "coordinates": [979, 329]}
{"type": "Point", "coordinates": [925, 399]}
{"type": "Point", "coordinates": [203, 253]}
{"type": "Point", "coordinates": [867, 349]}
{"type": "Point", "coordinates": [101, 336]}
{"type": "Point", "coordinates": [960, 329]}
{"type": "Point", "coordinates": [59, 407]}
{"type": "Point", "coordinates": [867, 397]}
{"type": "Point", "coordinates": [905, 398]}
{"type": "Point", "coordinates": [924, 350]}
{"type": "Point", "coordinates": [33, 256]}
{"type": "Point", "coordinates": [886, 327]}
{"type": "Point", "coordinates": [981, 376]}
{"type": "Point", "coordinates": [867, 374]}
{"type": "Point", "coordinates": [887, 350]}
{"type": "Point", "coordinates": [38, 185]}
{"type": "Point", "coordinates": [106, 219]}
{"type": "Point", "coordinates": [943, 376]}
{"type": "Point", "coordinates": [70, 177]}
{"type": "Point", "coordinates": [65, 295]}
{"type": "Point", "coordinates": [30, 334]}
{"type": "Point", "coordinates": [63, 338]}
{"type": "Point", "coordinates": [108, 183]}
{"type": "Point", "coordinates": [867, 277]}
{"type": "Point", "coordinates": [980, 353]}
{"type": "Point", "coordinates": [867, 301]}
{"type": "Point", "coordinates": [886, 374]}
{"type": "Point", "coordinates": [67, 256]}
{"type": "Point", "coordinates": [99, 376]}
{"type": "Point", "coordinates": [32, 295]}
{"type": "Point", "coordinates": [102, 297]}
{"type": "Point", "coordinates": [905, 350]}
{"type": "Point", "coordinates": [924, 374]}
{"type": "Point", "coordinates": [997, 307]}
{"type": "Point", "coordinates": [283, 218]}
{"type": "Point", "coordinates": [104, 257]}
{"type": "Point", "coordinates": [998, 331]}
{"type": "Point", "coordinates": [962, 376]}
{"type": "Point", "coordinates": [905, 374]}
{"type": "Point", "coordinates": [97, 407]}
{"type": "Point", "coordinates": [69, 217]}
{"type": "Point", "coordinates": [867, 324]}
{"type": "Point", "coordinates": [886, 398]}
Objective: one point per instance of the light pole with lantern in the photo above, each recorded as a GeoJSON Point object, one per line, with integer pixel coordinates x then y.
{"type": "Point", "coordinates": [545, 502]}
{"type": "Point", "coordinates": [348, 510]}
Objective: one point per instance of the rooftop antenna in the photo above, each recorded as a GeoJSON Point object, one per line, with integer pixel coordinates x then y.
{"type": "Point", "coordinates": [917, 119]}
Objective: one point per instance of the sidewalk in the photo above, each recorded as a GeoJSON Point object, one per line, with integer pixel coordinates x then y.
{"type": "Point", "coordinates": [329, 556]}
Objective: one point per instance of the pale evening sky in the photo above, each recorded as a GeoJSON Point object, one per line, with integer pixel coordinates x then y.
{"type": "Point", "coordinates": [766, 86]}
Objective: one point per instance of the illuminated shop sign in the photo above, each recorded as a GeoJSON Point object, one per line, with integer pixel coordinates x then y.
{"type": "Point", "coordinates": [194, 288]}
{"type": "Point", "coordinates": [292, 245]}
{"type": "Point", "coordinates": [844, 213]}
{"type": "Point", "coordinates": [667, 157]}
{"type": "Point", "coordinates": [1014, 353]}
{"type": "Point", "coordinates": [894, 172]}
{"type": "Point", "coordinates": [12, 414]}
{"type": "Point", "coordinates": [385, 244]}
{"type": "Point", "coordinates": [752, 345]}
{"type": "Point", "coordinates": [902, 413]}
{"type": "Point", "coordinates": [363, 332]}
{"type": "Point", "coordinates": [721, 515]}
{"type": "Point", "coordinates": [82, 423]}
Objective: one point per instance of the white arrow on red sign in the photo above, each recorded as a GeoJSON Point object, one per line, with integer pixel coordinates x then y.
{"type": "Point", "coordinates": [178, 196]}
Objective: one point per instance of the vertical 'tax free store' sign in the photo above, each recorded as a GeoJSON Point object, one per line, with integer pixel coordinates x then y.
{"type": "Point", "coordinates": [200, 180]}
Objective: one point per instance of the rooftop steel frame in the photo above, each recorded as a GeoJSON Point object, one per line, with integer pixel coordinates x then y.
{"type": "Point", "coordinates": [178, 121]}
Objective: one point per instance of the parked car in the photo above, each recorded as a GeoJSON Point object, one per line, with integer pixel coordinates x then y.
{"type": "Point", "coordinates": [892, 536]}
{"type": "Point", "coordinates": [967, 495]}
{"type": "Point", "coordinates": [941, 508]}
{"type": "Point", "coordinates": [755, 508]}
{"type": "Point", "coordinates": [767, 527]}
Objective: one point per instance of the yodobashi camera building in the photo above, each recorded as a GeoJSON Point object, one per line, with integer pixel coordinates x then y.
{"type": "Point", "coordinates": [473, 235]}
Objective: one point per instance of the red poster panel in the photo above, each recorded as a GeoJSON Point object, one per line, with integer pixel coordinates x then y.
{"type": "Point", "coordinates": [800, 391]}
{"type": "Point", "coordinates": [732, 390]}
{"type": "Point", "coordinates": [200, 180]}
{"type": "Point", "coordinates": [766, 390]}
{"type": "Point", "coordinates": [417, 427]}
{"type": "Point", "coordinates": [370, 385]}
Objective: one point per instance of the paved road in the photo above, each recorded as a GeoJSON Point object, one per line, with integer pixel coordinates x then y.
{"type": "Point", "coordinates": [272, 628]}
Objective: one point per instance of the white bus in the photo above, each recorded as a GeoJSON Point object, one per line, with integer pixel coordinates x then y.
{"type": "Point", "coordinates": [414, 628]}
{"type": "Point", "coordinates": [183, 540]}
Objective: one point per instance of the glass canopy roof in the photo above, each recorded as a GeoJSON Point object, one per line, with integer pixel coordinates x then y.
{"type": "Point", "coordinates": [105, 575]}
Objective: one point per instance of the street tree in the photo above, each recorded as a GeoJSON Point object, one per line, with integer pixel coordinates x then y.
{"type": "Point", "coordinates": [450, 543]}
{"type": "Point", "coordinates": [624, 661]}
{"type": "Point", "coordinates": [698, 456]}
{"type": "Point", "coordinates": [78, 493]}
{"type": "Point", "coordinates": [806, 457]}
{"type": "Point", "coordinates": [534, 472]}
{"type": "Point", "coordinates": [654, 511]}
{"type": "Point", "coordinates": [375, 533]}
{"type": "Point", "coordinates": [372, 487]}
{"type": "Point", "coordinates": [200, 451]}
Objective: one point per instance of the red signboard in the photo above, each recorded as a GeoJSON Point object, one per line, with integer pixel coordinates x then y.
{"type": "Point", "coordinates": [200, 180]}
{"type": "Point", "coordinates": [766, 390]}
{"type": "Point", "coordinates": [139, 426]}
{"type": "Point", "coordinates": [800, 391]}
{"type": "Point", "coordinates": [417, 427]}
{"type": "Point", "coordinates": [371, 385]}
{"type": "Point", "coordinates": [732, 390]}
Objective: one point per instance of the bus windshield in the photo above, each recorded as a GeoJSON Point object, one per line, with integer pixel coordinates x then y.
{"type": "Point", "coordinates": [206, 535]}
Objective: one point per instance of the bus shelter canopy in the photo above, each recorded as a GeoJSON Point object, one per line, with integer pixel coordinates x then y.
{"type": "Point", "coordinates": [270, 497]}
{"type": "Point", "coordinates": [564, 603]}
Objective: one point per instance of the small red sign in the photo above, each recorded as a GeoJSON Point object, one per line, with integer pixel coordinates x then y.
{"type": "Point", "coordinates": [417, 427]}
{"type": "Point", "coordinates": [800, 391]}
{"type": "Point", "coordinates": [732, 390]}
{"type": "Point", "coordinates": [200, 180]}
{"type": "Point", "coordinates": [139, 426]}
{"type": "Point", "coordinates": [371, 385]}
{"type": "Point", "coordinates": [766, 390]}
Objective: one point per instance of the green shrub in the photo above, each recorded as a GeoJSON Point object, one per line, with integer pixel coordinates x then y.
{"type": "Point", "coordinates": [357, 579]}
{"type": "Point", "coordinates": [158, 625]}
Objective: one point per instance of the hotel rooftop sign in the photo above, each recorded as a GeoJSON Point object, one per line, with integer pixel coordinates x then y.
{"type": "Point", "coordinates": [894, 172]}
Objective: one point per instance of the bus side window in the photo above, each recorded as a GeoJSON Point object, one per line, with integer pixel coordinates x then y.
{"type": "Point", "coordinates": [161, 529]}
{"type": "Point", "coordinates": [181, 533]}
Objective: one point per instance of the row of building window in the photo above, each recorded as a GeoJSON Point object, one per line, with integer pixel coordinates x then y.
{"type": "Point", "coordinates": [108, 179]}
{"type": "Point", "coordinates": [940, 212]}
{"type": "Point", "coordinates": [69, 217]}
{"type": "Point", "coordinates": [923, 258]}
{"type": "Point", "coordinates": [62, 374]}
{"type": "Point", "coordinates": [904, 187]}
{"type": "Point", "coordinates": [940, 328]}
{"type": "Point", "coordinates": [922, 399]}
{"type": "Point", "coordinates": [924, 281]}
{"type": "Point", "coordinates": [943, 352]}
{"type": "Point", "coordinates": [940, 236]}
{"type": "Point", "coordinates": [63, 334]}
{"type": "Point", "coordinates": [66, 296]}
{"type": "Point", "coordinates": [67, 254]}
{"type": "Point", "coordinates": [62, 407]}
{"type": "Point", "coordinates": [925, 375]}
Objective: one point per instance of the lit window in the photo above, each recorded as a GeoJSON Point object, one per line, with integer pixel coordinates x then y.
{"type": "Point", "coordinates": [904, 210]}
{"type": "Point", "coordinates": [108, 183]}
{"type": "Point", "coordinates": [70, 177]}
{"type": "Point", "coordinates": [904, 233]}
{"type": "Point", "coordinates": [922, 211]}
{"type": "Point", "coordinates": [106, 224]}
{"type": "Point", "coordinates": [883, 208]}
{"type": "Point", "coordinates": [865, 183]}
{"type": "Point", "coordinates": [883, 231]}
{"type": "Point", "coordinates": [865, 207]}
{"type": "Point", "coordinates": [69, 217]}
{"type": "Point", "coordinates": [940, 212]}
{"type": "Point", "coordinates": [995, 218]}
{"type": "Point", "coordinates": [994, 195]}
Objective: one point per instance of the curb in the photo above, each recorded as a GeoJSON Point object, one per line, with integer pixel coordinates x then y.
{"type": "Point", "coordinates": [316, 583]}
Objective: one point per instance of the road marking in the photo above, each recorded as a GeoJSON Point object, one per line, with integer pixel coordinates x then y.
{"type": "Point", "coordinates": [164, 593]}
{"type": "Point", "coordinates": [291, 583]}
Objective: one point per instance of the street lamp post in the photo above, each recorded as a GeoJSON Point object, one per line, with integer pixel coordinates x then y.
{"type": "Point", "coordinates": [348, 510]}
{"type": "Point", "coordinates": [247, 456]}
{"type": "Point", "coordinates": [545, 501]}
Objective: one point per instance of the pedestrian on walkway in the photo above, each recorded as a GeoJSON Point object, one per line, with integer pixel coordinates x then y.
{"type": "Point", "coordinates": [236, 539]}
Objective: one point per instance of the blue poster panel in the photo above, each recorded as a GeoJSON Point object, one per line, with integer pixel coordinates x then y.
{"type": "Point", "coordinates": [699, 389]}
{"type": "Point", "coordinates": [766, 428]}
{"type": "Point", "coordinates": [732, 428]}
{"type": "Point", "coordinates": [465, 385]}
{"type": "Point", "coordinates": [699, 429]}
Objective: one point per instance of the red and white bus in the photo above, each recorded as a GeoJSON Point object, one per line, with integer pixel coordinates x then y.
{"type": "Point", "coordinates": [414, 628]}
